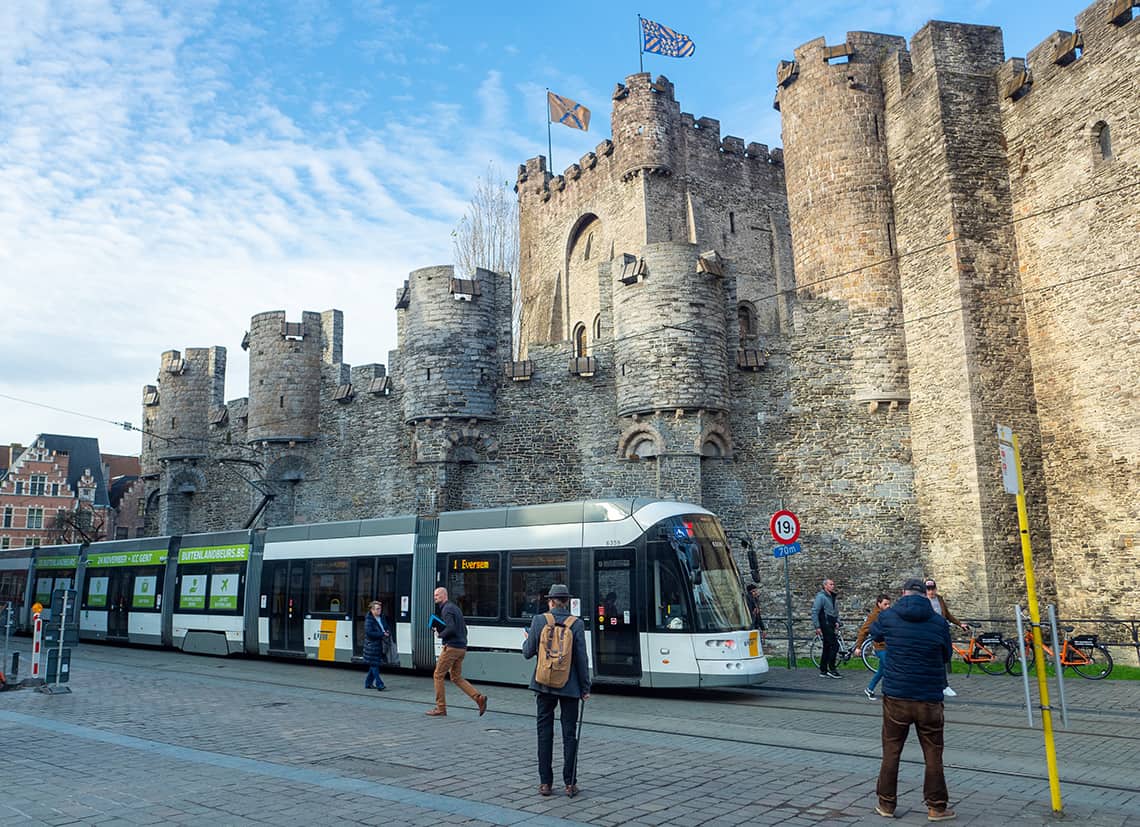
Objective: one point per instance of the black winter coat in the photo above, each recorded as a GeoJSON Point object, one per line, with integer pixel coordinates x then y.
{"type": "Point", "coordinates": [374, 640]}
{"type": "Point", "coordinates": [918, 641]}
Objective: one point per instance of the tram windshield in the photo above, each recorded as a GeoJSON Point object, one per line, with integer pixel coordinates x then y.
{"type": "Point", "coordinates": [701, 552]}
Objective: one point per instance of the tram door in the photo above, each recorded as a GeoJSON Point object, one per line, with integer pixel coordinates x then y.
{"type": "Point", "coordinates": [617, 644]}
{"type": "Point", "coordinates": [375, 580]}
{"type": "Point", "coordinates": [119, 589]}
{"type": "Point", "coordinates": [287, 605]}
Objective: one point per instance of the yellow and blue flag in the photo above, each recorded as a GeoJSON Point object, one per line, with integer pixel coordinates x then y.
{"type": "Point", "coordinates": [567, 112]}
{"type": "Point", "coordinates": [661, 40]}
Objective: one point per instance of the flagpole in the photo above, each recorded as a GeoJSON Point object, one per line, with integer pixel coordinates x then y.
{"type": "Point", "coordinates": [549, 146]}
{"type": "Point", "coordinates": [640, 47]}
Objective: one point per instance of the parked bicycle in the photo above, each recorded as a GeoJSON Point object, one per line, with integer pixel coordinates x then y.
{"type": "Point", "coordinates": [989, 651]}
{"type": "Point", "coordinates": [846, 651]}
{"type": "Point", "coordinates": [1082, 653]}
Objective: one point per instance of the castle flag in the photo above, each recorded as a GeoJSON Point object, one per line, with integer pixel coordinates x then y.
{"type": "Point", "coordinates": [567, 112]}
{"type": "Point", "coordinates": [661, 40]}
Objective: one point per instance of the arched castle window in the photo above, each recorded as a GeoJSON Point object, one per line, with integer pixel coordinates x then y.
{"type": "Point", "coordinates": [580, 339]}
{"type": "Point", "coordinates": [746, 316]}
{"type": "Point", "coordinates": [1102, 140]}
{"type": "Point", "coordinates": [597, 327]}
{"type": "Point", "coordinates": [640, 441]}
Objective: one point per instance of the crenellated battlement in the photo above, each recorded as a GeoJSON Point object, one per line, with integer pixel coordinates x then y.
{"type": "Point", "coordinates": [1102, 30]}
{"type": "Point", "coordinates": [645, 112]}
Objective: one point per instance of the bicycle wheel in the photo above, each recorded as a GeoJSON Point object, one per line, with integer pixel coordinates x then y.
{"type": "Point", "coordinates": [1013, 661]}
{"type": "Point", "coordinates": [870, 656]}
{"type": "Point", "coordinates": [1099, 664]}
{"type": "Point", "coordinates": [816, 650]}
{"type": "Point", "coordinates": [999, 664]}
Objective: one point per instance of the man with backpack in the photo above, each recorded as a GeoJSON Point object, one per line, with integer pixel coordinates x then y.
{"type": "Point", "coordinates": [561, 678]}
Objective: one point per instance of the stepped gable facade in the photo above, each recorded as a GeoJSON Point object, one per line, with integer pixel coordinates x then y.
{"type": "Point", "coordinates": [945, 243]}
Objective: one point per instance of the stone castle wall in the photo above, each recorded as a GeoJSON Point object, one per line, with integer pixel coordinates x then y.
{"type": "Point", "coordinates": [836, 327]}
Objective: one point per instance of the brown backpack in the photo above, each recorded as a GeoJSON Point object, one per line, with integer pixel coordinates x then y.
{"type": "Point", "coordinates": [555, 652]}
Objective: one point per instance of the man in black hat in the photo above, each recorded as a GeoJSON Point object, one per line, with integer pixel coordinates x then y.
{"type": "Point", "coordinates": [919, 643]}
{"type": "Point", "coordinates": [548, 697]}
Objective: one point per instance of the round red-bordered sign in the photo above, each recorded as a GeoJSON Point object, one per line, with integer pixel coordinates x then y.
{"type": "Point", "coordinates": [785, 527]}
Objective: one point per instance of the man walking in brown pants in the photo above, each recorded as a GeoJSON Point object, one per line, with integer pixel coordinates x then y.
{"type": "Point", "coordinates": [918, 641]}
{"type": "Point", "coordinates": [454, 637]}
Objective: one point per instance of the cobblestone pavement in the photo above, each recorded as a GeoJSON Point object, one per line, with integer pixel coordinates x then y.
{"type": "Point", "coordinates": [149, 737]}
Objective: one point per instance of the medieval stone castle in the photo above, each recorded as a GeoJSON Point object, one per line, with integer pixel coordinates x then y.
{"type": "Point", "coordinates": [947, 242]}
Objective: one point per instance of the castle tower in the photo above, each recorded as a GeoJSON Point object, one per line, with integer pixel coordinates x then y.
{"type": "Point", "coordinates": [683, 365]}
{"type": "Point", "coordinates": [839, 199]}
{"type": "Point", "coordinates": [643, 121]}
{"type": "Point", "coordinates": [456, 336]}
{"type": "Point", "coordinates": [176, 409]}
{"type": "Point", "coordinates": [285, 360]}
{"type": "Point", "coordinates": [453, 343]}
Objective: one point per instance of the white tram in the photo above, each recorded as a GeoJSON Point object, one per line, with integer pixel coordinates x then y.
{"type": "Point", "coordinates": [654, 581]}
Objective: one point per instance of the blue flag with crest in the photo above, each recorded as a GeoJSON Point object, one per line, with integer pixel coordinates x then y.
{"type": "Point", "coordinates": [661, 40]}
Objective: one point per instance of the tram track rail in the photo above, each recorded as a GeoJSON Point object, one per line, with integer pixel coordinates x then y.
{"type": "Point", "coordinates": [739, 699]}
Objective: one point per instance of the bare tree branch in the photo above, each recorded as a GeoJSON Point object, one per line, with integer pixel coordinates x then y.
{"type": "Point", "coordinates": [488, 236]}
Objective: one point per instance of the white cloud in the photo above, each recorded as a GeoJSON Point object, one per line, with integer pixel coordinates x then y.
{"type": "Point", "coordinates": [154, 201]}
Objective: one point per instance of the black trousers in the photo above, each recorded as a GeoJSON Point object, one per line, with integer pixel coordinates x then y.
{"type": "Point", "coordinates": [546, 703]}
{"type": "Point", "coordinates": [830, 648]}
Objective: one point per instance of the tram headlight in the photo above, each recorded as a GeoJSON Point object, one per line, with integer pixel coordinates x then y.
{"type": "Point", "coordinates": [728, 643]}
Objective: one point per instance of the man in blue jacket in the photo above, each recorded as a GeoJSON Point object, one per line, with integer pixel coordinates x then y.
{"type": "Point", "coordinates": [547, 697]}
{"type": "Point", "coordinates": [919, 643]}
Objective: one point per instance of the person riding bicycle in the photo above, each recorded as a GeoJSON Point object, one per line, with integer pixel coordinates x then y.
{"type": "Point", "coordinates": [825, 616]}
{"type": "Point", "coordinates": [882, 603]}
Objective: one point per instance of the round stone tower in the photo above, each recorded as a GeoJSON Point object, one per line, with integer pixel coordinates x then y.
{"type": "Point", "coordinates": [643, 122]}
{"type": "Point", "coordinates": [669, 332]}
{"type": "Point", "coordinates": [176, 409]}
{"type": "Point", "coordinates": [452, 344]}
{"type": "Point", "coordinates": [839, 196]}
{"type": "Point", "coordinates": [284, 377]}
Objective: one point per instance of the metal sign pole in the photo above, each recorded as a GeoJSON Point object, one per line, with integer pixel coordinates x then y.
{"type": "Point", "coordinates": [1024, 665]}
{"type": "Point", "coordinates": [1057, 644]}
{"type": "Point", "coordinates": [792, 664]}
{"type": "Point", "coordinates": [62, 637]}
{"type": "Point", "coordinates": [7, 632]}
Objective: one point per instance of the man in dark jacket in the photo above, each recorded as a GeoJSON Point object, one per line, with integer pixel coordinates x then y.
{"type": "Point", "coordinates": [547, 697]}
{"type": "Point", "coordinates": [453, 634]}
{"type": "Point", "coordinates": [825, 616]}
{"type": "Point", "coordinates": [919, 644]}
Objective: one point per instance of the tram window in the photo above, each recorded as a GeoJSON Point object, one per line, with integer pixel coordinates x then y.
{"type": "Point", "coordinates": [532, 574]}
{"type": "Point", "coordinates": [192, 594]}
{"type": "Point", "coordinates": [328, 586]}
{"type": "Point", "coordinates": [473, 583]}
{"type": "Point", "coordinates": [217, 586]}
{"type": "Point", "coordinates": [225, 582]}
{"type": "Point", "coordinates": [671, 611]}
{"type": "Point", "coordinates": [144, 592]}
{"type": "Point", "coordinates": [97, 591]}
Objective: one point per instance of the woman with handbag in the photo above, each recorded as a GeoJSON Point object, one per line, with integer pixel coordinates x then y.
{"type": "Point", "coordinates": [375, 636]}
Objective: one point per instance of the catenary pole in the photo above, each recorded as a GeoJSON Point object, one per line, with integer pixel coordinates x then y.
{"type": "Point", "coordinates": [1038, 649]}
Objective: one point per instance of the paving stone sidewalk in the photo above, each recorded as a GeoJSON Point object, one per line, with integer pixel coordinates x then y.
{"type": "Point", "coordinates": [151, 737]}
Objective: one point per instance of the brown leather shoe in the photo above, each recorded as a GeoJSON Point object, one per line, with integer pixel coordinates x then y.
{"type": "Point", "coordinates": [544, 789]}
{"type": "Point", "coordinates": [571, 790]}
{"type": "Point", "coordinates": [436, 713]}
{"type": "Point", "coordinates": [481, 702]}
{"type": "Point", "coordinates": [945, 814]}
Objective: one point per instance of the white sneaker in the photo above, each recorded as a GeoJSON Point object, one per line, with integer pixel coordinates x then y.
{"type": "Point", "coordinates": [949, 693]}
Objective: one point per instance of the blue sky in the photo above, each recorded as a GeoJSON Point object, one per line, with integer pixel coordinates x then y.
{"type": "Point", "coordinates": [169, 169]}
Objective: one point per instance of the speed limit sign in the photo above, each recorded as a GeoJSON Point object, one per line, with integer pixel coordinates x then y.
{"type": "Point", "coordinates": [785, 527]}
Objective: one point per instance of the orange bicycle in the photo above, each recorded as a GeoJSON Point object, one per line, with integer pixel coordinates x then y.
{"type": "Point", "coordinates": [989, 651]}
{"type": "Point", "coordinates": [1083, 654]}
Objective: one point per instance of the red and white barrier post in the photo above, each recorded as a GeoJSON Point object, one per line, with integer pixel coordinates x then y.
{"type": "Point", "coordinates": [37, 642]}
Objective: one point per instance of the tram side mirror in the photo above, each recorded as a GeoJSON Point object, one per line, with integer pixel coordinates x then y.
{"type": "Point", "coordinates": [693, 557]}
{"type": "Point", "coordinates": [753, 563]}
